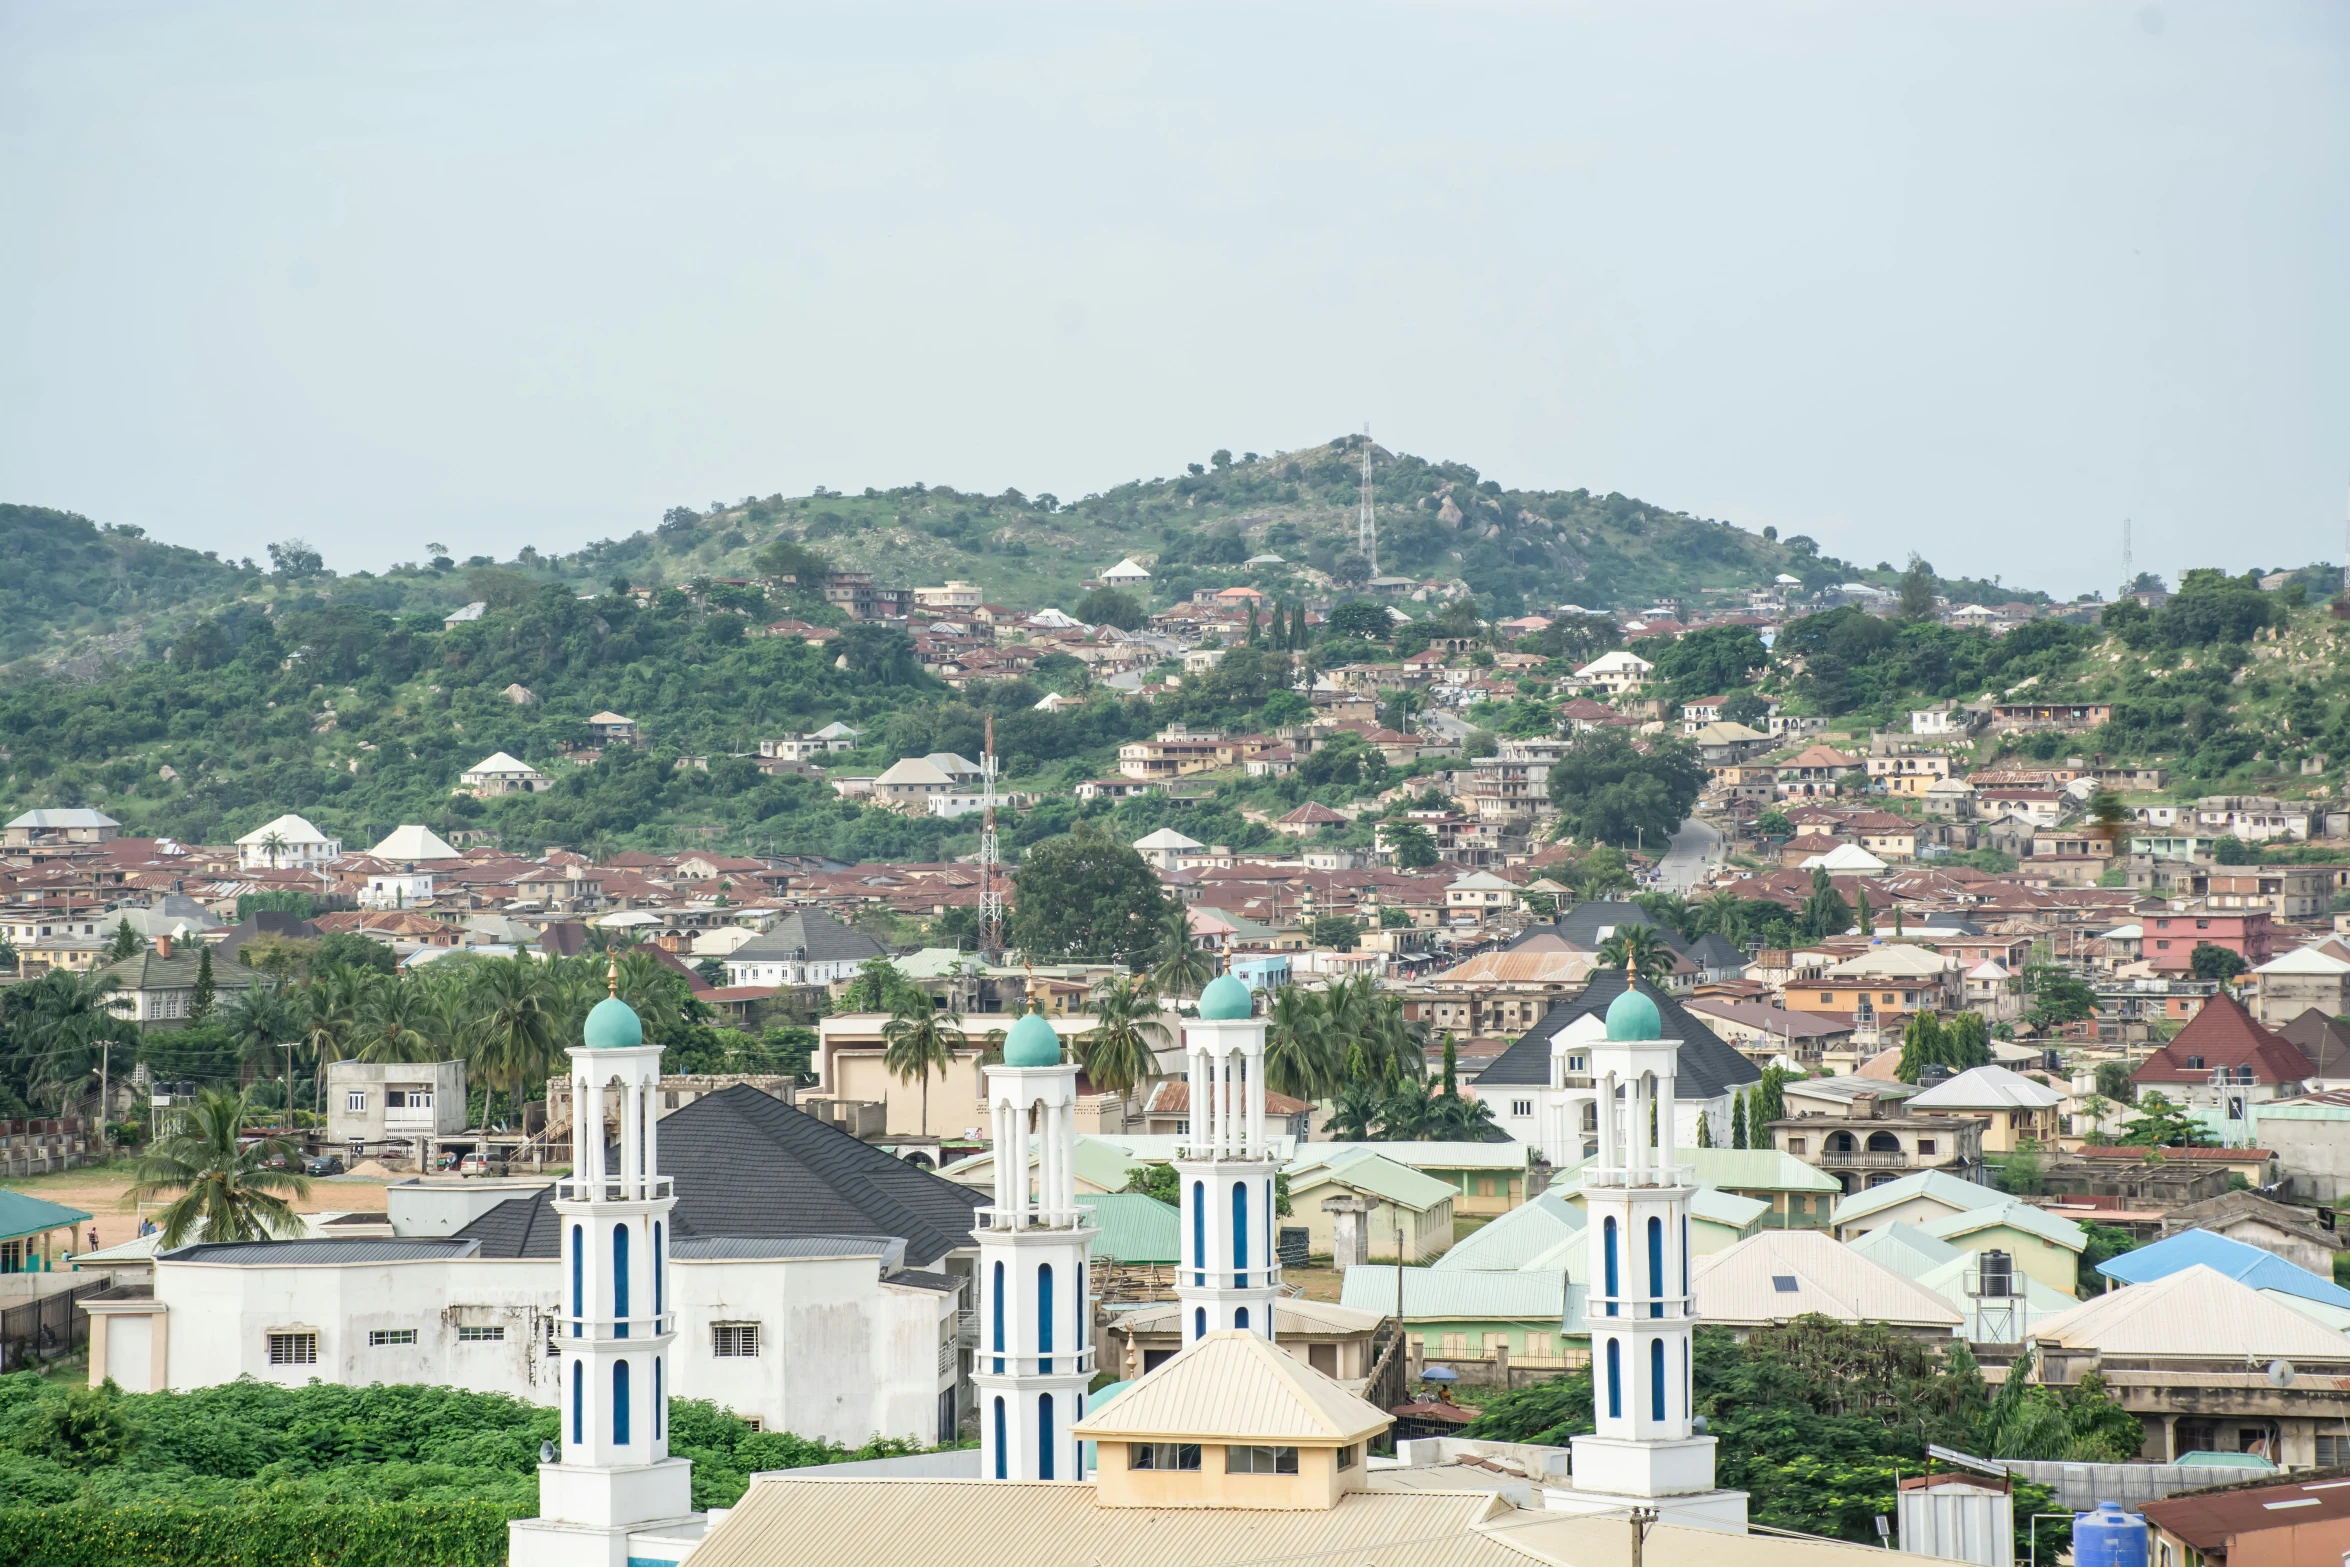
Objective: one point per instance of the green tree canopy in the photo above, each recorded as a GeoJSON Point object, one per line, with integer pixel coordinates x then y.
{"type": "Point", "coordinates": [1609, 790]}
{"type": "Point", "coordinates": [1085, 894]}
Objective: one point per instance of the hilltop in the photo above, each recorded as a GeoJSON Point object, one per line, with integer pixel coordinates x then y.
{"type": "Point", "coordinates": [77, 592]}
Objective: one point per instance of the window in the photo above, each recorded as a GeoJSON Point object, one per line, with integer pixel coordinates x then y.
{"type": "Point", "coordinates": [1925, 1145]}
{"type": "Point", "coordinates": [1260, 1460]}
{"type": "Point", "coordinates": [293, 1349]}
{"type": "Point", "coordinates": [355, 1101]}
{"type": "Point", "coordinates": [1521, 1107]}
{"type": "Point", "coordinates": [734, 1340]}
{"type": "Point", "coordinates": [377, 1338]}
{"type": "Point", "coordinates": [1795, 1145]}
{"type": "Point", "coordinates": [1162, 1455]}
{"type": "Point", "coordinates": [669, 1099]}
{"type": "Point", "coordinates": [481, 1335]}
{"type": "Point", "coordinates": [2332, 1450]}
{"type": "Point", "coordinates": [755, 1422]}
{"type": "Point", "coordinates": [1346, 1458]}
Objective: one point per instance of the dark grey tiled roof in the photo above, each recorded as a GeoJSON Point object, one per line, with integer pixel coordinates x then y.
{"type": "Point", "coordinates": [812, 936]}
{"type": "Point", "coordinates": [750, 1168]}
{"type": "Point", "coordinates": [1708, 1068]}
{"type": "Point", "coordinates": [1584, 924]}
{"type": "Point", "coordinates": [767, 1248]}
{"type": "Point", "coordinates": [912, 1278]}
{"type": "Point", "coordinates": [1715, 952]}
{"type": "Point", "coordinates": [347, 1250]}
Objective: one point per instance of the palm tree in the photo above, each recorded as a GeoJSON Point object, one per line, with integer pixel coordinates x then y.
{"type": "Point", "coordinates": [1724, 913]}
{"type": "Point", "coordinates": [1299, 1050]}
{"type": "Point", "coordinates": [331, 1004]}
{"type": "Point", "coordinates": [61, 1019]}
{"type": "Point", "coordinates": [225, 1185]}
{"type": "Point", "coordinates": [1407, 1114]}
{"type": "Point", "coordinates": [398, 1022]}
{"type": "Point", "coordinates": [512, 1039]}
{"type": "Point", "coordinates": [921, 1039]}
{"type": "Point", "coordinates": [1642, 949]}
{"type": "Point", "coordinates": [273, 844]}
{"type": "Point", "coordinates": [1459, 1120]}
{"type": "Point", "coordinates": [1401, 1044]}
{"type": "Point", "coordinates": [1121, 1049]}
{"type": "Point", "coordinates": [258, 1021]}
{"type": "Point", "coordinates": [1181, 970]}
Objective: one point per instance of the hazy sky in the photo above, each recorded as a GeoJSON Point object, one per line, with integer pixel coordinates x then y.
{"type": "Point", "coordinates": [1975, 280]}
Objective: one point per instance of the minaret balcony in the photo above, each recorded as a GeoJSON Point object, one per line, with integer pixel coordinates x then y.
{"type": "Point", "coordinates": [1656, 1175]}
{"type": "Point", "coordinates": [1005, 1221]}
{"type": "Point", "coordinates": [619, 1329]}
{"type": "Point", "coordinates": [1060, 1363]}
{"type": "Point", "coordinates": [1598, 1308]}
{"type": "Point", "coordinates": [1208, 1153]}
{"type": "Point", "coordinates": [578, 1188]}
{"type": "Point", "coordinates": [1228, 1278]}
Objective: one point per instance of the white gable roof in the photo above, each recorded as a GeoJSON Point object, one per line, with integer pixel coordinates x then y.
{"type": "Point", "coordinates": [500, 762]}
{"type": "Point", "coordinates": [1167, 838]}
{"type": "Point", "coordinates": [1988, 1088]}
{"type": "Point", "coordinates": [1847, 857]}
{"type": "Point", "coordinates": [1125, 571]}
{"type": "Point", "coordinates": [2304, 960]}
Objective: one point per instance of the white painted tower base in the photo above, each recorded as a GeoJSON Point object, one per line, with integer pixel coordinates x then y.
{"type": "Point", "coordinates": [587, 1513]}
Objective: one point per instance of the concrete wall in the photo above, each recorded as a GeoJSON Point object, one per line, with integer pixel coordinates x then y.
{"type": "Point", "coordinates": [843, 1354]}
{"type": "Point", "coordinates": [2312, 1145]}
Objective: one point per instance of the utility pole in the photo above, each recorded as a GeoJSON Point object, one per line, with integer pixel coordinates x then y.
{"type": "Point", "coordinates": [991, 897]}
{"type": "Point", "coordinates": [1367, 524]}
{"type": "Point", "coordinates": [1643, 1519]}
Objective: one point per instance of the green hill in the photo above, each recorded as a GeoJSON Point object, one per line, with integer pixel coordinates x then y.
{"type": "Point", "coordinates": [64, 579]}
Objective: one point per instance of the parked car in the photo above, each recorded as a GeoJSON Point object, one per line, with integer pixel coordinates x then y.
{"type": "Point", "coordinates": [473, 1164]}
{"type": "Point", "coordinates": [322, 1164]}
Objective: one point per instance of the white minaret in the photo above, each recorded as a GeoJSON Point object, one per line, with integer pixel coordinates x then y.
{"type": "Point", "coordinates": [1636, 1199]}
{"type": "Point", "coordinates": [1035, 1353]}
{"type": "Point", "coordinates": [613, 1326]}
{"type": "Point", "coordinates": [1225, 1167]}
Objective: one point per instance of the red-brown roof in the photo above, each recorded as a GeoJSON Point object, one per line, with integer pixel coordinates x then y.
{"type": "Point", "coordinates": [1173, 1097]}
{"type": "Point", "coordinates": [2211, 1520]}
{"type": "Point", "coordinates": [2223, 1035]}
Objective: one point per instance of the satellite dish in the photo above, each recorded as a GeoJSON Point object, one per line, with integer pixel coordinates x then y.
{"type": "Point", "coordinates": [2280, 1373]}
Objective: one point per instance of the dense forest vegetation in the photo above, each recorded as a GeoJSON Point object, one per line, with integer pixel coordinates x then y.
{"type": "Point", "coordinates": [63, 575]}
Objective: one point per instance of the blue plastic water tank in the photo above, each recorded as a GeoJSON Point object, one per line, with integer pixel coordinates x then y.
{"type": "Point", "coordinates": [2109, 1537]}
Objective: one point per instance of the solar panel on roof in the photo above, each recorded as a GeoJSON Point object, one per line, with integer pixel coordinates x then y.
{"type": "Point", "coordinates": [1784, 1283]}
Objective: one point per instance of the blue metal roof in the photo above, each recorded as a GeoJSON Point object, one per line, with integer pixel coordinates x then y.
{"type": "Point", "coordinates": [2248, 1265]}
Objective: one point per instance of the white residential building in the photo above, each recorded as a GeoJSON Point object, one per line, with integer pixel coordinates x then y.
{"type": "Point", "coordinates": [1616, 672]}
{"type": "Point", "coordinates": [288, 840]}
{"type": "Point", "coordinates": [498, 774]}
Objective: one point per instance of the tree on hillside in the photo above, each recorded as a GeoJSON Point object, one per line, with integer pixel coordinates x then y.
{"type": "Point", "coordinates": [1711, 661]}
{"type": "Point", "coordinates": [1609, 791]}
{"type": "Point", "coordinates": [1360, 618]}
{"type": "Point", "coordinates": [1086, 894]}
{"type": "Point", "coordinates": [1413, 845]}
{"type": "Point", "coordinates": [1824, 913]}
{"type": "Point", "coordinates": [1918, 587]}
{"type": "Point", "coordinates": [1110, 607]}
{"type": "Point", "coordinates": [881, 654]}
{"type": "Point", "coordinates": [2059, 996]}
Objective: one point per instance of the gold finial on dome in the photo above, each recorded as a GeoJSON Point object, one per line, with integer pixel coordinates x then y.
{"type": "Point", "coordinates": [612, 977]}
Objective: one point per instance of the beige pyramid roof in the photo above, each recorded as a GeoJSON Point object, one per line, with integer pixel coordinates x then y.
{"type": "Point", "coordinates": [1234, 1386]}
{"type": "Point", "coordinates": [2191, 1313]}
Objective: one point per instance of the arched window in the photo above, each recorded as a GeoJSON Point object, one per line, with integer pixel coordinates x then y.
{"type": "Point", "coordinates": [660, 1284]}
{"type": "Point", "coordinates": [1656, 1379]}
{"type": "Point", "coordinates": [1044, 1436]}
{"type": "Point", "coordinates": [658, 1406]}
{"type": "Point", "coordinates": [1239, 1235]}
{"type": "Point", "coordinates": [1615, 1379]}
{"type": "Point", "coordinates": [1884, 1142]}
{"type": "Point", "coordinates": [620, 1403]}
{"type": "Point", "coordinates": [578, 1405]}
{"type": "Point", "coordinates": [1841, 1142]}
{"type": "Point", "coordinates": [1240, 1319]}
{"type": "Point", "coordinates": [1656, 1267]}
{"type": "Point", "coordinates": [999, 1438]}
{"type": "Point", "coordinates": [998, 1293]}
{"type": "Point", "coordinates": [1044, 1317]}
{"type": "Point", "coordinates": [1199, 1323]}
{"type": "Point", "coordinates": [1271, 1234]}
{"type": "Point", "coordinates": [1684, 1265]}
{"type": "Point", "coordinates": [1608, 1247]}
{"type": "Point", "coordinates": [578, 1276]}
{"type": "Point", "coordinates": [1199, 1232]}
{"type": "Point", "coordinates": [620, 1280]}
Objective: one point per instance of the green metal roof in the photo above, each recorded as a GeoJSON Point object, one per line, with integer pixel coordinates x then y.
{"type": "Point", "coordinates": [1464, 1295]}
{"type": "Point", "coordinates": [1709, 1206]}
{"type": "Point", "coordinates": [1381, 1177]}
{"type": "Point", "coordinates": [1948, 1190]}
{"type": "Point", "coordinates": [21, 1215]}
{"type": "Point", "coordinates": [2021, 1217]}
{"type": "Point", "coordinates": [1735, 1170]}
{"type": "Point", "coordinates": [1516, 1238]}
{"type": "Point", "coordinates": [1135, 1227]}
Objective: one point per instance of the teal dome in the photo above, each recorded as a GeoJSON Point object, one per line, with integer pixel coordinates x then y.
{"type": "Point", "coordinates": [1226, 1000]}
{"type": "Point", "coordinates": [1632, 1016]}
{"type": "Point", "coordinates": [1032, 1042]}
{"type": "Point", "coordinates": [613, 1025]}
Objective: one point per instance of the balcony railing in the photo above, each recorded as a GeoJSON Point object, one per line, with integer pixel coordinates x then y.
{"type": "Point", "coordinates": [1667, 1175]}
{"type": "Point", "coordinates": [1061, 1363]}
{"type": "Point", "coordinates": [616, 1327]}
{"type": "Point", "coordinates": [1231, 1278]}
{"type": "Point", "coordinates": [1874, 1159]}
{"type": "Point", "coordinates": [1005, 1219]}
{"type": "Point", "coordinates": [575, 1189]}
